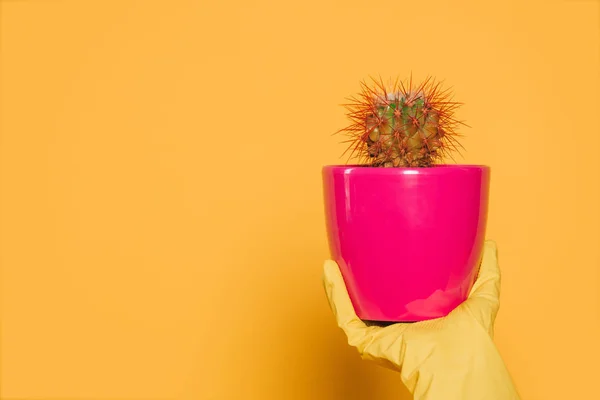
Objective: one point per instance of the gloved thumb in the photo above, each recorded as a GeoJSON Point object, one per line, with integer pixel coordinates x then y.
{"type": "Point", "coordinates": [341, 306]}
{"type": "Point", "coordinates": [483, 302]}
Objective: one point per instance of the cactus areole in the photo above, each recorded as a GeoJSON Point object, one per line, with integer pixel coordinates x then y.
{"type": "Point", "coordinates": [402, 125]}
{"type": "Point", "coordinates": [406, 230]}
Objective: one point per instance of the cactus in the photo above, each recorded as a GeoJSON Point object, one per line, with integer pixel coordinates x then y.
{"type": "Point", "coordinates": [398, 125]}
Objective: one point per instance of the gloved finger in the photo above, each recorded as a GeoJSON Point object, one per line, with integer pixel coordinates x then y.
{"type": "Point", "coordinates": [484, 300]}
{"type": "Point", "coordinates": [382, 345]}
{"type": "Point", "coordinates": [356, 330]}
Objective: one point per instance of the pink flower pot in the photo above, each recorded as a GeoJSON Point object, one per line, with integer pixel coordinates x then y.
{"type": "Point", "coordinates": [408, 241]}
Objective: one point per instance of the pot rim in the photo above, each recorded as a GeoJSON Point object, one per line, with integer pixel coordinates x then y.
{"type": "Point", "coordinates": [438, 168]}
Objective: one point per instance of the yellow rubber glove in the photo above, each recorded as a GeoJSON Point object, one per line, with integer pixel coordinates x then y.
{"type": "Point", "coordinates": [447, 358]}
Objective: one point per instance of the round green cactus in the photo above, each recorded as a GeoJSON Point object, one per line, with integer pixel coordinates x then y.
{"type": "Point", "coordinates": [401, 126]}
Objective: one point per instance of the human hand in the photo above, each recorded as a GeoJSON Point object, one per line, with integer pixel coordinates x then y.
{"type": "Point", "coordinates": [447, 358]}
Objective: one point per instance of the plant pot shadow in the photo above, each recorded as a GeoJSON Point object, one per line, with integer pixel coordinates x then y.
{"type": "Point", "coordinates": [325, 367]}
{"type": "Point", "coordinates": [342, 374]}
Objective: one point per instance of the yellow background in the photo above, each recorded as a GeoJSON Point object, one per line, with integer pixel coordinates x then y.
{"type": "Point", "coordinates": [161, 225]}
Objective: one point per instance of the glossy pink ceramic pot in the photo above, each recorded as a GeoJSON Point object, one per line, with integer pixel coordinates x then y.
{"type": "Point", "coordinates": [408, 240]}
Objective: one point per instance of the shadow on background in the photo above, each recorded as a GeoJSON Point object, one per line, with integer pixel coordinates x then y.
{"type": "Point", "coordinates": [335, 368]}
{"type": "Point", "coordinates": [311, 358]}
{"type": "Point", "coordinates": [282, 341]}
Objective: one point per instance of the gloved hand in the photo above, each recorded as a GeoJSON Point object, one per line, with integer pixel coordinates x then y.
{"type": "Point", "coordinates": [447, 358]}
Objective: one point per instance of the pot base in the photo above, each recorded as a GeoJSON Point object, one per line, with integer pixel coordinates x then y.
{"type": "Point", "coordinates": [383, 324]}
